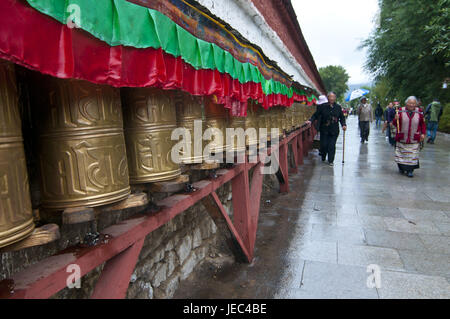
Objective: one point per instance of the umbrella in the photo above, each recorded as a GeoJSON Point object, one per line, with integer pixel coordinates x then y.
{"type": "Point", "coordinates": [356, 94]}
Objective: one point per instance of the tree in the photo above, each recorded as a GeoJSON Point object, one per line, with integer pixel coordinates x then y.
{"type": "Point", "coordinates": [335, 78]}
{"type": "Point", "coordinates": [409, 49]}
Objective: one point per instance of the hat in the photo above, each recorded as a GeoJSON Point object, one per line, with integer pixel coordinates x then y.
{"type": "Point", "coordinates": [322, 100]}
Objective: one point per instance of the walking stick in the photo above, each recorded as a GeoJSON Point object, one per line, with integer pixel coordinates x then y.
{"type": "Point", "coordinates": [343, 151]}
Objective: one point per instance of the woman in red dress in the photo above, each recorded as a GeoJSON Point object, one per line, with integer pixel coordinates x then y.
{"type": "Point", "coordinates": [411, 131]}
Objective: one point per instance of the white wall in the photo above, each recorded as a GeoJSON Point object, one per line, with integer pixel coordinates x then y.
{"type": "Point", "coordinates": [244, 17]}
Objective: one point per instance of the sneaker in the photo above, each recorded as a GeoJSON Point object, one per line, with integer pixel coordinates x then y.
{"type": "Point", "coordinates": [331, 164]}
{"type": "Point", "coordinates": [429, 140]}
{"type": "Point", "coordinates": [410, 174]}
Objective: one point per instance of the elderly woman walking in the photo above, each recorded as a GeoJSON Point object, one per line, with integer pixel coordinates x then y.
{"type": "Point", "coordinates": [411, 131]}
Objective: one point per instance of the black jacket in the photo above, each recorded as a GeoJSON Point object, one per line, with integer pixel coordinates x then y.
{"type": "Point", "coordinates": [328, 118]}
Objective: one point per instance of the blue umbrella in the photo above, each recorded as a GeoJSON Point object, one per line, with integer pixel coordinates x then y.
{"type": "Point", "coordinates": [356, 94]}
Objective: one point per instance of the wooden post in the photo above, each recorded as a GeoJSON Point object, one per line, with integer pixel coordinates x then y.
{"type": "Point", "coordinates": [284, 187]}
{"type": "Point", "coordinates": [115, 278]}
{"type": "Point", "coordinates": [295, 153]}
{"type": "Point", "coordinates": [241, 205]}
{"type": "Point", "coordinates": [226, 228]}
{"type": "Point", "coordinates": [255, 195]}
{"type": "Point", "coordinates": [300, 148]}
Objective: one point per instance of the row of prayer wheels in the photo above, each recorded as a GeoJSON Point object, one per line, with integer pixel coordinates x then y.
{"type": "Point", "coordinates": [96, 140]}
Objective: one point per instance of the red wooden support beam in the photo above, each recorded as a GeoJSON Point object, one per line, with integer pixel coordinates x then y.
{"type": "Point", "coordinates": [284, 187]}
{"type": "Point", "coordinates": [115, 277]}
{"type": "Point", "coordinates": [241, 205]}
{"type": "Point", "coordinates": [300, 149]}
{"type": "Point", "coordinates": [295, 153]}
{"type": "Point", "coordinates": [226, 228]}
{"type": "Point", "coordinates": [255, 195]}
{"type": "Point", "coordinates": [305, 143]}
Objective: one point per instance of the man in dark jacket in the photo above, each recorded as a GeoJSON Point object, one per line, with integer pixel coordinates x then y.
{"type": "Point", "coordinates": [389, 116]}
{"type": "Point", "coordinates": [378, 115]}
{"type": "Point", "coordinates": [328, 116]}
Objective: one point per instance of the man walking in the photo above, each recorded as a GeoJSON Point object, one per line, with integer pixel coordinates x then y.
{"type": "Point", "coordinates": [378, 115]}
{"type": "Point", "coordinates": [328, 116]}
{"type": "Point", "coordinates": [365, 118]}
{"type": "Point", "coordinates": [433, 114]}
{"type": "Point", "coordinates": [389, 116]}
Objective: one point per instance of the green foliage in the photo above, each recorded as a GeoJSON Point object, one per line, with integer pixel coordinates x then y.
{"type": "Point", "coordinates": [409, 50]}
{"type": "Point", "coordinates": [444, 123]}
{"type": "Point", "coordinates": [335, 78]}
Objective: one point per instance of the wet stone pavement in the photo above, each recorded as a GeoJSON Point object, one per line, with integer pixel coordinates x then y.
{"type": "Point", "coordinates": [318, 240]}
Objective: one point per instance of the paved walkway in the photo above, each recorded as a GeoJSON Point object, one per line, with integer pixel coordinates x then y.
{"type": "Point", "coordinates": [318, 241]}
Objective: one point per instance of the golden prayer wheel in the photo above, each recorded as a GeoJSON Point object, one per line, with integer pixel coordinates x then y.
{"type": "Point", "coordinates": [264, 121]}
{"type": "Point", "coordinates": [235, 123]}
{"type": "Point", "coordinates": [216, 117]}
{"type": "Point", "coordinates": [189, 109]}
{"type": "Point", "coordinates": [149, 119]}
{"type": "Point", "coordinates": [82, 154]}
{"type": "Point", "coordinates": [290, 118]}
{"type": "Point", "coordinates": [281, 118]}
{"type": "Point", "coordinates": [16, 218]}
{"type": "Point", "coordinates": [274, 121]}
{"type": "Point", "coordinates": [298, 114]}
{"type": "Point", "coordinates": [251, 121]}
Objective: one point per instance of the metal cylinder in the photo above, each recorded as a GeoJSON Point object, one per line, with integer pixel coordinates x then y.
{"type": "Point", "coordinates": [188, 110]}
{"type": "Point", "coordinates": [16, 218]}
{"type": "Point", "coordinates": [238, 123]}
{"type": "Point", "coordinates": [290, 118]}
{"type": "Point", "coordinates": [251, 121]}
{"type": "Point", "coordinates": [216, 116]}
{"type": "Point", "coordinates": [274, 122]}
{"type": "Point", "coordinates": [83, 160]}
{"type": "Point", "coordinates": [149, 119]}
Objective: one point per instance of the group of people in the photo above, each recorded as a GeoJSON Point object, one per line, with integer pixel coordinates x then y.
{"type": "Point", "coordinates": [405, 127]}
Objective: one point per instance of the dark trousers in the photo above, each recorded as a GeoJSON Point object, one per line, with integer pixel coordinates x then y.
{"type": "Point", "coordinates": [328, 146]}
{"type": "Point", "coordinates": [365, 130]}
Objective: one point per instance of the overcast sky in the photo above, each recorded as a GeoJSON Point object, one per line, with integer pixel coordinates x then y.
{"type": "Point", "coordinates": [334, 30]}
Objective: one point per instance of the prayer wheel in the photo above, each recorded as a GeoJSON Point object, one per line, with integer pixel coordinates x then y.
{"type": "Point", "coordinates": [251, 121]}
{"type": "Point", "coordinates": [274, 121]}
{"type": "Point", "coordinates": [298, 114]}
{"type": "Point", "coordinates": [149, 119]}
{"type": "Point", "coordinates": [82, 146]}
{"type": "Point", "coordinates": [188, 110]}
{"type": "Point", "coordinates": [238, 122]}
{"type": "Point", "coordinates": [216, 117]}
{"type": "Point", "coordinates": [263, 121]}
{"type": "Point", "coordinates": [16, 218]}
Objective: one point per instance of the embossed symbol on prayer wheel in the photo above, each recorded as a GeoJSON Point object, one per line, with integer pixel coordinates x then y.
{"type": "Point", "coordinates": [216, 117]}
{"type": "Point", "coordinates": [189, 109]}
{"type": "Point", "coordinates": [149, 119]}
{"type": "Point", "coordinates": [82, 147]}
{"type": "Point", "coordinates": [16, 219]}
